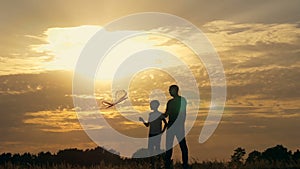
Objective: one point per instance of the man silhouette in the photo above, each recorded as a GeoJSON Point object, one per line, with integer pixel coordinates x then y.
{"type": "Point", "coordinates": [176, 112]}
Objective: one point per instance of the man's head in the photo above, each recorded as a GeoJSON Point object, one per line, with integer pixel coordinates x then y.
{"type": "Point", "coordinates": [173, 90]}
{"type": "Point", "coordinates": [154, 104]}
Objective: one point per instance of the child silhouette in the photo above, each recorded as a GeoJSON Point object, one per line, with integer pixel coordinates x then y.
{"type": "Point", "coordinates": [155, 123]}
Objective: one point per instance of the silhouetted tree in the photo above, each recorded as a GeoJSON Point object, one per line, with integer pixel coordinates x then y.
{"type": "Point", "coordinates": [99, 154]}
{"type": "Point", "coordinates": [70, 156]}
{"type": "Point", "coordinates": [16, 158]}
{"type": "Point", "coordinates": [5, 158]}
{"type": "Point", "coordinates": [296, 156]}
{"type": "Point", "coordinates": [253, 157]}
{"type": "Point", "coordinates": [45, 158]}
{"type": "Point", "coordinates": [26, 159]}
{"type": "Point", "coordinates": [277, 153]}
{"type": "Point", "coordinates": [237, 157]}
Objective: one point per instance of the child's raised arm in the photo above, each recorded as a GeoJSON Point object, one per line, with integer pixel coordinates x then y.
{"type": "Point", "coordinates": [142, 120]}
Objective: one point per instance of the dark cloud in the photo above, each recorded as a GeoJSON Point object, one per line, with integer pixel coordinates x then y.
{"type": "Point", "coordinates": [33, 92]}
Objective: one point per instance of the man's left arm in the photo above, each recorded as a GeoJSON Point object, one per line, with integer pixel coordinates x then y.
{"type": "Point", "coordinates": [167, 113]}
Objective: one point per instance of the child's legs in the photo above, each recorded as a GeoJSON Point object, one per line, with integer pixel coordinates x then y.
{"type": "Point", "coordinates": [150, 145]}
{"type": "Point", "coordinates": [157, 141]}
{"type": "Point", "coordinates": [154, 143]}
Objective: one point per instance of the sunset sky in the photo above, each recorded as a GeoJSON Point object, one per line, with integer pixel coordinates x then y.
{"type": "Point", "coordinates": [257, 41]}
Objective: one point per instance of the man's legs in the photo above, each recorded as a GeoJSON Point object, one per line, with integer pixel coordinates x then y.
{"type": "Point", "coordinates": [168, 158]}
{"type": "Point", "coordinates": [169, 147]}
{"type": "Point", "coordinates": [184, 152]}
{"type": "Point", "coordinates": [180, 135]}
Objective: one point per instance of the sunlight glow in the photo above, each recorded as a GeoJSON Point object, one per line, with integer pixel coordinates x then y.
{"type": "Point", "coordinates": [65, 45]}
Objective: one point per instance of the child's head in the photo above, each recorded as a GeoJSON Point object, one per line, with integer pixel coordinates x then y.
{"type": "Point", "coordinates": [154, 104]}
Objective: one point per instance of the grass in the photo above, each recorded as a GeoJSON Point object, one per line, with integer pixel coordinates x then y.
{"type": "Point", "coordinates": [144, 165]}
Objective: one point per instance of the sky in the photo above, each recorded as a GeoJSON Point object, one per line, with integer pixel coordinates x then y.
{"type": "Point", "coordinates": [258, 44]}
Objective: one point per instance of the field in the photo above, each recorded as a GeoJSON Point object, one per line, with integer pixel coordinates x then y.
{"type": "Point", "coordinates": [277, 157]}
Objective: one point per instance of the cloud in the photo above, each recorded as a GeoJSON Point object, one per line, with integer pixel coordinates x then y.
{"type": "Point", "coordinates": [53, 121]}
{"type": "Point", "coordinates": [255, 56]}
{"type": "Point", "coordinates": [21, 64]}
{"type": "Point", "coordinates": [37, 115]}
{"type": "Point", "coordinates": [227, 34]}
{"type": "Point", "coordinates": [31, 93]}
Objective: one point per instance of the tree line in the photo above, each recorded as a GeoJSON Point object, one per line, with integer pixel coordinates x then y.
{"type": "Point", "coordinates": [274, 157]}
{"type": "Point", "coordinates": [71, 156]}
